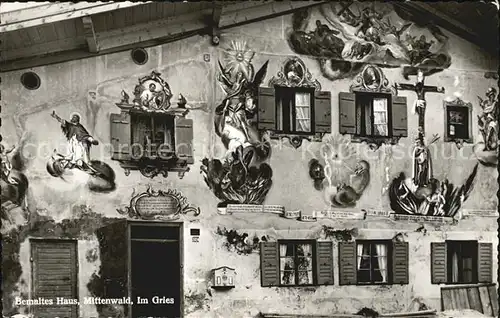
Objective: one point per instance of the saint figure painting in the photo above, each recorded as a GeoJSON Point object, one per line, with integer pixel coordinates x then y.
{"type": "Point", "coordinates": [79, 144]}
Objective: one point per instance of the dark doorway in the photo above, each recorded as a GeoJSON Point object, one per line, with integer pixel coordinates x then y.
{"type": "Point", "coordinates": [156, 271]}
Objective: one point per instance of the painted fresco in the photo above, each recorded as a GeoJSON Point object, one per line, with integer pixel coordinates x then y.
{"type": "Point", "coordinates": [487, 150]}
{"type": "Point", "coordinates": [101, 177]}
{"type": "Point", "coordinates": [298, 257]}
{"type": "Point", "coordinates": [345, 36]}
{"type": "Point", "coordinates": [14, 183]}
{"type": "Point", "coordinates": [242, 176]}
{"type": "Point", "coordinates": [343, 178]}
{"type": "Point", "coordinates": [422, 194]}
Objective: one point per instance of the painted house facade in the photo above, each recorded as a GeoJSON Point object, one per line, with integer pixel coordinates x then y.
{"type": "Point", "coordinates": [301, 166]}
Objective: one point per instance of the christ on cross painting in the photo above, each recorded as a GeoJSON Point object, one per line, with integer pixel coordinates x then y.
{"type": "Point", "coordinates": [420, 88]}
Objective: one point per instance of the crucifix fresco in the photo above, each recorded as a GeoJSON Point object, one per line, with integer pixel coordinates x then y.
{"type": "Point", "coordinates": [422, 193]}
{"type": "Point", "coordinates": [420, 104]}
{"type": "Point", "coordinates": [422, 164]}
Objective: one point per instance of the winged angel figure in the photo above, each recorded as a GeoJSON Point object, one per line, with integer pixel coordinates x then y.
{"type": "Point", "coordinates": [241, 176]}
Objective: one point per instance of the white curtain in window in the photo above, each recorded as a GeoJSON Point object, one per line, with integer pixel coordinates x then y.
{"type": "Point", "coordinates": [454, 267]}
{"type": "Point", "coordinates": [283, 249]}
{"type": "Point", "coordinates": [305, 264]}
{"type": "Point", "coordinates": [286, 266]}
{"type": "Point", "coordinates": [307, 249]}
{"type": "Point", "coordinates": [380, 116]}
{"type": "Point", "coordinates": [382, 260]}
{"type": "Point", "coordinates": [302, 105]}
{"type": "Point", "coordinates": [360, 254]}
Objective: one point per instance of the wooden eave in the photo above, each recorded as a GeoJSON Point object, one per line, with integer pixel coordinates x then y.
{"type": "Point", "coordinates": [59, 32]}
{"type": "Point", "coordinates": [47, 33]}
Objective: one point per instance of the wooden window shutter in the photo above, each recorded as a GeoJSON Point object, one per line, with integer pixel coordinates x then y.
{"type": "Point", "coordinates": [399, 112]}
{"type": "Point", "coordinates": [269, 264]}
{"type": "Point", "coordinates": [184, 139]}
{"type": "Point", "coordinates": [120, 136]}
{"type": "Point", "coordinates": [347, 113]}
{"type": "Point", "coordinates": [324, 263]}
{"type": "Point", "coordinates": [347, 263]}
{"type": "Point", "coordinates": [323, 112]}
{"type": "Point", "coordinates": [266, 117]}
{"type": "Point", "coordinates": [400, 263]}
{"type": "Point", "coordinates": [484, 262]}
{"type": "Point", "coordinates": [439, 272]}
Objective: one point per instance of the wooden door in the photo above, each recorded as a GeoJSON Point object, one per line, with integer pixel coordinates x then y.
{"type": "Point", "coordinates": [55, 277]}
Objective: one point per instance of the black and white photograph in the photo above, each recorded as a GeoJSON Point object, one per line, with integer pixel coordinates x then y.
{"type": "Point", "coordinates": [253, 159]}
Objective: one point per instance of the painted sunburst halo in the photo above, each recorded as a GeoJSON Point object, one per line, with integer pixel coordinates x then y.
{"type": "Point", "coordinates": [238, 58]}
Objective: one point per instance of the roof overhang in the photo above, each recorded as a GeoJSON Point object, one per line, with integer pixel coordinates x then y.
{"type": "Point", "coordinates": [93, 37]}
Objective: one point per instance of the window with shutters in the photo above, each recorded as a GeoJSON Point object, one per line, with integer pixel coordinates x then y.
{"type": "Point", "coordinates": [366, 262]}
{"type": "Point", "coordinates": [294, 112]}
{"type": "Point", "coordinates": [461, 262]}
{"type": "Point", "coordinates": [293, 105]}
{"type": "Point", "coordinates": [150, 134]}
{"type": "Point", "coordinates": [296, 263]}
{"type": "Point", "coordinates": [371, 111]}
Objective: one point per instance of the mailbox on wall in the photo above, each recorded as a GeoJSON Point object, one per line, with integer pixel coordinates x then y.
{"type": "Point", "coordinates": [223, 277]}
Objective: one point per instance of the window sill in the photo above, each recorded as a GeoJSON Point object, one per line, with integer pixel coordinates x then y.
{"type": "Point", "coordinates": [296, 138]}
{"type": "Point", "coordinates": [458, 141]}
{"type": "Point", "coordinates": [299, 286]}
{"type": "Point", "coordinates": [150, 168]}
{"type": "Point", "coordinates": [375, 142]}
{"type": "Point", "coordinates": [462, 285]}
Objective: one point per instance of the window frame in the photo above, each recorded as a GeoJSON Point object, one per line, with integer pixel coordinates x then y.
{"type": "Point", "coordinates": [450, 105]}
{"type": "Point", "coordinates": [449, 265]}
{"type": "Point", "coordinates": [165, 119]}
{"type": "Point", "coordinates": [389, 265]}
{"type": "Point", "coordinates": [279, 94]}
{"type": "Point", "coordinates": [373, 95]}
{"type": "Point", "coordinates": [296, 242]}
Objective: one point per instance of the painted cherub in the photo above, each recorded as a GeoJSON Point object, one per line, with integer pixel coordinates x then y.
{"type": "Point", "coordinates": [6, 164]}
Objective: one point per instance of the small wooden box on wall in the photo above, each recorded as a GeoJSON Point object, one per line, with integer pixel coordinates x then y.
{"type": "Point", "coordinates": [223, 277]}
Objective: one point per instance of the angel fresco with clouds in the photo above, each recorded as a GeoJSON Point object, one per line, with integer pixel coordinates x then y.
{"type": "Point", "coordinates": [345, 36]}
{"type": "Point", "coordinates": [242, 176]}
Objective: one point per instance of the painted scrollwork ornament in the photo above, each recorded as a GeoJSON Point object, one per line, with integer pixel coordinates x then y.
{"type": "Point", "coordinates": [372, 79]}
{"type": "Point", "coordinates": [158, 205]}
{"type": "Point", "coordinates": [152, 93]}
{"type": "Point", "coordinates": [294, 74]}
